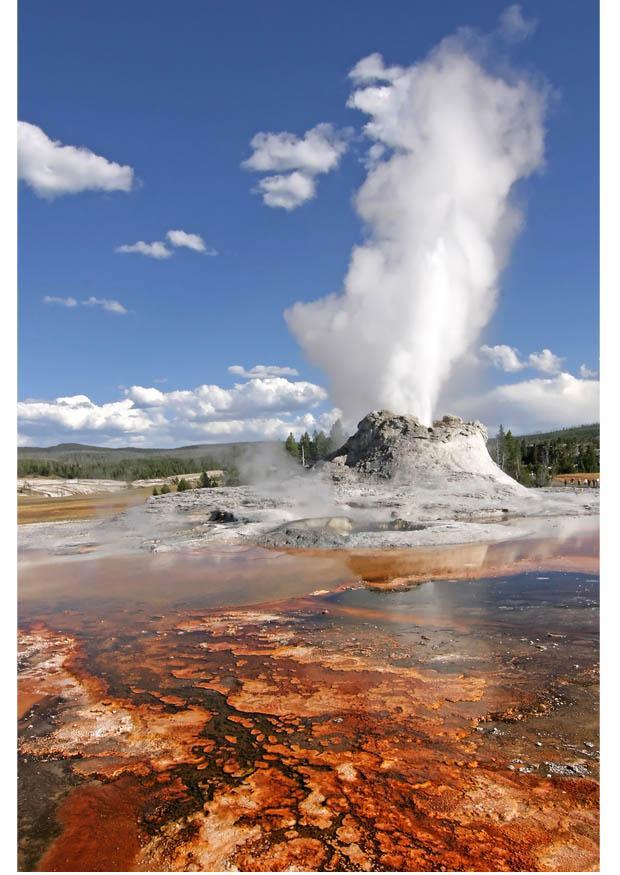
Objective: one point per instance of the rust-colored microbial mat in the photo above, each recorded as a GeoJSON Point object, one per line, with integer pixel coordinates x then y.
{"type": "Point", "coordinates": [414, 711]}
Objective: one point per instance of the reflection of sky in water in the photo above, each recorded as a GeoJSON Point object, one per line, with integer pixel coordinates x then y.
{"type": "Point", "coordinates": [529, 603]}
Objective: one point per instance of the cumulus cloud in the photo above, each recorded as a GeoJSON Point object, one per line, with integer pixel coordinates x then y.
{"type": "Point", "coordinates": [372, 69]}
{"type": "Point", "coordinates": [545, 361]}
{"type": "Point", "coordinates": [318, 151]}
{"type": "Point", "coordinates": [513, 26]}
{"type": "Point", "coordinates": [437, 205]}
{"type": "Point", "coordinates": [586, 373]}
{"type": "Point", "coordinates": [190, 241]}
{"type": "Point", "coordinates": [263, 371]}
{"type": "Point", "coordinates": [52, 170]}
{"type": "Point", "coordinates": [108, 304]}
{"type": "Point", "coordinates": [77, 413]}
{"type": "Point", "coordinates": [267, 407]}
{"type": "Point", "coordinates": [296, 162]}
{"type": "Point", "coordinates": [287, 191]}
{"type": "Point", "coordinates": [62, 302]}
{"type": "Point", "coordinates": [152, 250]}
{"type": "Point", "coordinates": [503, 357]}
{"type": "Point", "coordinates": [536, 405]}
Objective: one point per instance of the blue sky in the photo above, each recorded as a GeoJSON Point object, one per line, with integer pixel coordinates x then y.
{"type": "Point", "coordinates": [177, 92]}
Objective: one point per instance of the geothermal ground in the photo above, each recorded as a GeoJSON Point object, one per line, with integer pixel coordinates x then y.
{"type": "Point", "coordinates": [395, 483]}
{"type": "Point", "coordinates": [196, 693]}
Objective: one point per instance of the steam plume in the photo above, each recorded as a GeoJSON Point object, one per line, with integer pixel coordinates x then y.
{"type": "Point", "coordinates": [450, 140]}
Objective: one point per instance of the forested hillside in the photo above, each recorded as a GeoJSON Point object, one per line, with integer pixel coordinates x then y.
{"type": "Point", "coordinates": [534, 459]}
{"type": "Point", "coordinates": [129, 463]}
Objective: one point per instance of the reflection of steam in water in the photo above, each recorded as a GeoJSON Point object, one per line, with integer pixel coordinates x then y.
{"type": "Point", "coordinates": [574, 541]}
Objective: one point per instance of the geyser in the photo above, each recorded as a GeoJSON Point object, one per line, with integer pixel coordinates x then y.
{"type": "Point", "coordinates": [450, 140]}
{"type": "Point", "coordinates": [394, 447]}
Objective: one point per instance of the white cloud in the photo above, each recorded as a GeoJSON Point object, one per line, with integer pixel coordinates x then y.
{"type": "Point", "coordinates": [513, 26]}
{"type": "Point", "coordinates": [190, 241]}
{"type": "Point", "coordinates": [503, 357]}
{"type": "Point", "coordinates": [108, 304]}
{"type": "Point", "coordinates": [287, 191]}
{"type": "Point", "coordinates": [62, 302]}
{"type": "Point", "coordinates": [79, 413]}
{"type": "Point", "coordinates": [52, 169]}
{"type": "Point", "coordinates": [372, 69]}
{"type": "Point", "coordinates": [266, 407]}
{"type": "Point", "coordinates": [318, 151]}
{"type": "Point", "coordinates": [535, 405]}
{"type": "Point", "coordinates": [545, 361]}
{"type": "Point", "coordinates": [586, 373]}
{"type": "Point", "coordinates": [152, 250]}
{"type": "Point", "coordinates": [263, 371]}
{"type": "Point", "coordinates": [145, 397]}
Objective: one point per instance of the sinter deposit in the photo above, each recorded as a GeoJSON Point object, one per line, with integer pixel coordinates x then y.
{"type": "Point", "coordinates": [401, 448]}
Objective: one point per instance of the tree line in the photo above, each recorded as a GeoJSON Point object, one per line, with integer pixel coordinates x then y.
{"type": "Point", "coordinates": [204, 482]}
{"type": "Point", "coordinates": [307, 450]}
{"type": "Point", "coordinates": [100, 468]}
{"type": "Point", "coordinates": [535, 459]}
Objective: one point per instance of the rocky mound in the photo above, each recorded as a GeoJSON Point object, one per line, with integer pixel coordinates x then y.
{"type": "Point", "coordinates": [387, 446]}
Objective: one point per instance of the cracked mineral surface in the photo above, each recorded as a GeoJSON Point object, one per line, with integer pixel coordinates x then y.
{"type": "Point", "coordinates": [242, 708]}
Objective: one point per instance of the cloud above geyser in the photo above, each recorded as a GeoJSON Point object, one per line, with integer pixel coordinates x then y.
{"type": "Point", "coordinates": [157, 249]}
{"type": "Point", "coordinates": [535, 405]}
{"type": "Point", "coordinates": [109, 304]}
{"type": "Point", "coordinates": [189, 241]}
{"type": "Point", "coordinates": [52, 169]}
{"type": "Point", "coordinates": [503, 357]}
{"type": "Point", "coordinates": [259, 408]}
{"type": "Point", "coordinates": [296, 160]}
{"type": "Point", "coordinates": [263, 371]}
{"type": "Point", "coordinates": [437, 208]}
{"type": "Point", "coordinates": [545, 361]}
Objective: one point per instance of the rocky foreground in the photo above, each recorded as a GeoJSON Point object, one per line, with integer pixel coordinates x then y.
{"type": "Point", "coordinates": [394, 483]}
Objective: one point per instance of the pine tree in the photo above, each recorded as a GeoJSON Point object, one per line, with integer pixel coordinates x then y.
{"type": "Point", "coordinates": [291, 446]}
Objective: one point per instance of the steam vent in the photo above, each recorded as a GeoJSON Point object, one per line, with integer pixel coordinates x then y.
{"type": "Point", "coordinates": [394, 447]}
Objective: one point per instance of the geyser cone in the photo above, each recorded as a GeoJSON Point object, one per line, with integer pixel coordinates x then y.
{"type": "Point", "coordinates": [395, 447]}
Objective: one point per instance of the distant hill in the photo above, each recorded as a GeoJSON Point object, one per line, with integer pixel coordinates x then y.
{"type": "Point", "coordinates": [577, 433]}
{"type": "Point", "coordinates": [62, 451]}
{"type": "Point", "coordinates": [133, 463]}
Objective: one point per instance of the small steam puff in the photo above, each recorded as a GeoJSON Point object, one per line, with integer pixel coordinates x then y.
{"type": "Point", "coordinates": [449, 142]}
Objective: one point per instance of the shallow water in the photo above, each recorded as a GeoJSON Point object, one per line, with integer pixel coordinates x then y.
{"type": "Point", "coordinates": [203, 710]}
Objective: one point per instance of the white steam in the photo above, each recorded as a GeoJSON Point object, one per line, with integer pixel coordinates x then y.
{"type": "Point", "coordinates": [450, 140]}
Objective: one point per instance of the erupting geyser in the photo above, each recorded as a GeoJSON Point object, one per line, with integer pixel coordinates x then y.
{"type": "Point", "coordinates": [450, 140]}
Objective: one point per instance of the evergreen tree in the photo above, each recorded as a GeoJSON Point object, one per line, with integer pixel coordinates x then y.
{"type": "Point", "coordinates": [205, 481]}
{"type": "Point", "coordinates": [155, 490]}
{"type": "Point", "coordinates": [165, 489]}
{"type": "Point", "coordinates": [292, 447]}
{"type": "Point", "coordinates": [183, 485]}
